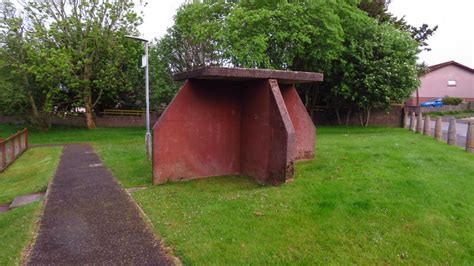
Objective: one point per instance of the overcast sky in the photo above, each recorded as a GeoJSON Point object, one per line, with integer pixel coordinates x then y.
{"type": "Point", "coordinates": [454, 39]}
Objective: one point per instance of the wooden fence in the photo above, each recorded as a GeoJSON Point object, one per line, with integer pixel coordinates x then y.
{"type": "Point", "coordinates": [123, 112]}
{"type": "Point", "coordinates": [12, 147]}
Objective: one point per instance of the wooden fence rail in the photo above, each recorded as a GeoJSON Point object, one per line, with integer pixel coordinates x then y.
{"type": "Point", "coordinates": [123, 112]}
{"type": "Point", "coordinates": [12, 147]}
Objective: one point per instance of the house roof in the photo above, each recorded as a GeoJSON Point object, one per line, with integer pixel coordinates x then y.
{"type": "Point", "coordinates": [445, 64]}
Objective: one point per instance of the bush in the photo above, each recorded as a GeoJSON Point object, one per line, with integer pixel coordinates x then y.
{"type": "Point", "coordinates": [452, 100]}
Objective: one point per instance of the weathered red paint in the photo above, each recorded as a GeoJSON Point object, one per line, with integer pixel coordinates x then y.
{"type": "Point", "coordinates": [198, 135]}
{"type": "Point", "coordinates": [305, 131]}
{"type": "Point", "coordinates": [254, 127]}
{"type": "Point", "coordinates": [267, 134]}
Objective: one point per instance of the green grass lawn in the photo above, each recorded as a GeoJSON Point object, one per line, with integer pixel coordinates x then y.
{"type": "Point", "coordinates": [16, 232]}
{"type": "Point", "coordinates": [6, 130]}
{"type": "Point", "coordinates": [29, 174]}
{"type": "Point", "coordinates": [456, 114]}
{"type": "Point", "coordinates": [371, 196]}
{"type": "Point", "coordinates": [123, 150]}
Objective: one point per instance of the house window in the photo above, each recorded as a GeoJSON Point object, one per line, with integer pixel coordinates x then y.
{"type": "Point", "coordinates": [452, 83]}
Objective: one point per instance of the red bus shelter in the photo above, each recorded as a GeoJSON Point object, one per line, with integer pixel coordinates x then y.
{"type": "Point", "coordinates": [234, 121]}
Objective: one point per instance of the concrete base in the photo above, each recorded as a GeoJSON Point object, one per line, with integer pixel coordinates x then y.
{"type": "Point", "coordinates": [255, 128]}
{"type": "Point", "coordinates": [24, 200]}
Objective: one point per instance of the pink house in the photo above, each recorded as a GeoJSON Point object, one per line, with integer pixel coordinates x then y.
{"type": "Point", "coordinates": [446, 79]}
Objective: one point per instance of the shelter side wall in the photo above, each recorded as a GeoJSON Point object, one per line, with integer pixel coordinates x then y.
{"type": "Point", "coordinates": [305, 131]}
{"type": "Point", "coordinates": [199, 133]}
{"type": "Point", "coordinates": [283, 140]}
{"type": "Point", "coordinates": [267, 134]}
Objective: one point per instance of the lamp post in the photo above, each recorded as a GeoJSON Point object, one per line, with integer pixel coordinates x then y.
{"type": "Point", "coordinates": [147, 94]}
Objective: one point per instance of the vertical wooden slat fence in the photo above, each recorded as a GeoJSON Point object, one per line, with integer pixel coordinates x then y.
{"type": "Point", "coordinates": [12, 147]}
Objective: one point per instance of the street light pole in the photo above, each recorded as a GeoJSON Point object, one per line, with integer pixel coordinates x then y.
{"type": "Point", "coordinates": [147, 97]}
{"type": "Point", "coordinates": [148, 148]}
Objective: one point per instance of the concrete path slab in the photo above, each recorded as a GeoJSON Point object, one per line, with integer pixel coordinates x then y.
{"type": "Point", "coordinates": [24, 200]}
{"type": "Point", "coordinates": [90, 219]}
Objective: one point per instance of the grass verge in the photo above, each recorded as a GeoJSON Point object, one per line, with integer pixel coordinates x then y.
{"type": "Point", "coordinates": [29, 174]}
{"type": "Point", "coordinates": [456, 114]}
{"type": "Point", "coordinates": [122, 149]}
{"type": "Point", "coordinates": [16, 231]}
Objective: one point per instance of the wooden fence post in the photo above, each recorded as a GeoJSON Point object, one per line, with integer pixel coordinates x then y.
{"type": "Point", "coordinates": [12, 147]}
{"type": "Point", "coordinates": [3, 150]}
{"type": "Point", "coordinates": [26, 138]}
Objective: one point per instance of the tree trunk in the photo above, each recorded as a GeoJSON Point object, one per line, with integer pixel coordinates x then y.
{"type": "Point", "coordinates": [88, 98]}
{"type": "Point", "coordinates": [367, 117]}
{"type": "Point", "coordinates": [348, 118]}
{"type": "Point", "coordinates": [89, 114]}
{"type": "Point", "coordinates": [338, 116]}
{"type": "Point", "coordinates": [361, 119]}
{"type": "Point", "coordinates": [41, 121]}
{"type": "Point", "coordinates": [34, 108]}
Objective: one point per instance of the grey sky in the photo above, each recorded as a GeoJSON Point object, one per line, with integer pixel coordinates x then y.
{"type": "Point", "coordinates": [454, 39]}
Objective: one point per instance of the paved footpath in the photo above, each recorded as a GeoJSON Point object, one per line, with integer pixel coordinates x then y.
{"type": "Point", "coordinates": [90, 219]}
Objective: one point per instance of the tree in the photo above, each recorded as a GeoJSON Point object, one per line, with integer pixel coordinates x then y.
{"type": "Point", "coordinates": [16, 57]}
{"type": "Point", "coordinates": [161, 74]}
{"type": "Point", "coordinates": [195, 40]}
{"type": "Point", "coordinates": [378, 10]}
{"type": "Point", "coordinates": [367, 64]}
{"type": "Point", "coordinates": [87, 37]}
{"type": "Point", "coordinates": [377, 68]}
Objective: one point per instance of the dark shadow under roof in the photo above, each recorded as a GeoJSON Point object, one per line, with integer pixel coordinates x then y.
{"type": "Point", "coordinates": [244, 74]}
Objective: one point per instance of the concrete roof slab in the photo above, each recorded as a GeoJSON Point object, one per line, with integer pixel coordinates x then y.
{"type": "Point", "coordinates": [246, 74]}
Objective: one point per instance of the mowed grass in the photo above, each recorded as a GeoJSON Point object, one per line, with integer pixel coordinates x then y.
{"type": "Point", "coordinates": [6, 130]}
{"type": "Point", "coordinates": [456, 114]}
{"type": "Point", "coordinates": [29, 174]}
{"type": "Point", "coordinates": [16, 232]}
{"type": "Point", "coordinates": [371, 196]}
{"type": "Point", "coordinates": [122, 150]}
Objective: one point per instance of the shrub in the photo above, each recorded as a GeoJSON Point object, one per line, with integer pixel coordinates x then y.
{"type": "Point", "coordinates": [452, 100]}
